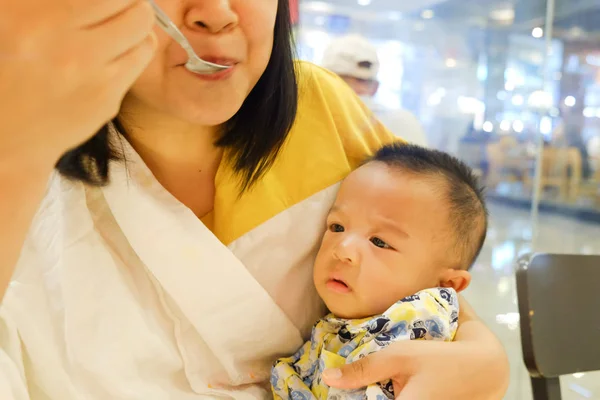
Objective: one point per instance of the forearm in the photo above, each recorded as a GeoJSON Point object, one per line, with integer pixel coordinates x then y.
{"type": "Point", "coordinates": [471, 328]}
{"type": "Point", "coordinates": [493, 370]}
{"type": "Point", "coordinates": [22, 187]}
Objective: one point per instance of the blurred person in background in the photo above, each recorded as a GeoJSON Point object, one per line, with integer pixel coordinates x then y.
{"type": "Point", "coordinates": [355, 60]}
{"type": "Point", "coordinates": [569, 133]}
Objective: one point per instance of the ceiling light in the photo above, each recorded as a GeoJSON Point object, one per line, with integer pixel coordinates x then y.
{"type": "Point", "coordinates": [506, 14]}
{"type": "Point", "coordinates": [570, 101]}
{"type": "Point", "coordinates": [518, 100]}
{"type": "Point", "coordinates": [427, 14]}
{"type": "Point", "coordinates": [593, 59]}
{"type": "Point", "coordinates": [451, 63]}
{"type": "Point", "coordinates": [518, 126]}
{"type": "Point", "coordinates": [364, 2]}
{"type": "Point", "coordinates": [317, 6]}
{"type": "Point", "coordinates": [540, 99]}
{"type": "Point", "coordinates": [537, 32]}
{"type": "Point", "coordinates": [546, 125]}
{"type": "Point", "coordinates": [589, 112]}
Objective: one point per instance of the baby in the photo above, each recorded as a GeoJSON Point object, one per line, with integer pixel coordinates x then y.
{"type": "Point", "coordinates": [403, 232]}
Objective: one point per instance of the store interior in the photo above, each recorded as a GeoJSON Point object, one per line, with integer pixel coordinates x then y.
{"type": "Point", "coordinates": [489, 85]}
{"type": "Point", "coordinates": [512, 87]}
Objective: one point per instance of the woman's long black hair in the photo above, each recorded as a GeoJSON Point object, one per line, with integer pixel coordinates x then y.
{"type": "Point", "coordinates": [252, 138]}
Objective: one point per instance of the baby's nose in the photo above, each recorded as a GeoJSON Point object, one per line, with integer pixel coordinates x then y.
{"type": "Point", "coordinates": [348, 250]}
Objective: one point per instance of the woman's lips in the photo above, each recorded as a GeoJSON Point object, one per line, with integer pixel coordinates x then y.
{"type": "Point", "coordinates": [227, 61]}
{"type": "Point", "coordinates": [215, 76]}
{"type": "Point", "coordinates": [219, 60]}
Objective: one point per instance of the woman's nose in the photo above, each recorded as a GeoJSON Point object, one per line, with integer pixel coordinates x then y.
{"type": "Point", "coordinates": [214, 16]}
{"type": "Point", "coordinates": [347, 250]}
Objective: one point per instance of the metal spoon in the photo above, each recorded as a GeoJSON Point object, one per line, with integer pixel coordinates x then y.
{"type": "Point", "coordinates": [195, 63]}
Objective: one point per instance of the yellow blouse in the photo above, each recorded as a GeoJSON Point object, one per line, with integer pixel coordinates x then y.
{"type": "Point", "coordinates": [334, 132]}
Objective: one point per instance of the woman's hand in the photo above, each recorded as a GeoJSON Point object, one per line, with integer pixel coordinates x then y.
{"type": "Point", "coordinates": [65, 66]}
{"type": "Point", "coordinates": [472, 367]}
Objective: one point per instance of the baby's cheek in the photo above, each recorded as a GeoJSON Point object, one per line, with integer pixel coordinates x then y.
{"type": "Point", "coordinates": [319, 267]}
{"type": "Point", "coordinates": [378, 295]}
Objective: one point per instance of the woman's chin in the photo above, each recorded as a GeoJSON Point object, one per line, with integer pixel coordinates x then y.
{"type": "Point", "coordinates": [208, 107]}
{"type": "Point", "coordinates": [205, 115]}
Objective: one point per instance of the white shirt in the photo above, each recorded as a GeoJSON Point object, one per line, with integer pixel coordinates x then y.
{"type": "Point", "coordinates": [401, 122]}
{"type": "Point", "coordinates": [122, 293]}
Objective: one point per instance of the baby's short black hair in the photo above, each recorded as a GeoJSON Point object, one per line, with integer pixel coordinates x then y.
{"type": "Point", "coordinates": [464, 194]}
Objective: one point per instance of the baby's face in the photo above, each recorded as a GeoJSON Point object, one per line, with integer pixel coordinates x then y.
{"type": "Point", "coordinates": [387, 238]}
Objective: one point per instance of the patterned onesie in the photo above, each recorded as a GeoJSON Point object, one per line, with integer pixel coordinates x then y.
{"type": "Point", "coordinates": [431, 314]}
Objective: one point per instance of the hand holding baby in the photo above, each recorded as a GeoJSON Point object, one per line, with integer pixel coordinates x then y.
{"type": "Point", "coordinates": [420, 370]}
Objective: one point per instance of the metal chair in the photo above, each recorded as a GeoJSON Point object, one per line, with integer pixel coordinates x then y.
{"type": "Point", "coordinates": [559, 303]}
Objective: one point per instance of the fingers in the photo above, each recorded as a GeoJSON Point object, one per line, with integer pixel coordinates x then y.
{"type": "Point", "coordinates": [377, 367]}
{"type": "Point", "coordinates": [129, 66]}
{"type": "Point", "coordinates": [121, 74]}
{"type": "Point", "coordinates": [121, 33]}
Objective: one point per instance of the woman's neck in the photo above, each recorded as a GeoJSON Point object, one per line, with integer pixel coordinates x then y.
{"type": "Point", "coordinates": [182, 156]}
{"type": "Point", "coordinates": [163, 141]}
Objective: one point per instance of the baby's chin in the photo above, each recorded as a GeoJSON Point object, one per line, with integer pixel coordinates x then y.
{"type": "Point", "coordinates": [344, 307]}
{"type": "Point", "coordinates": [355, 310]}
{"type": "Point", "coordinates": [348, 312]}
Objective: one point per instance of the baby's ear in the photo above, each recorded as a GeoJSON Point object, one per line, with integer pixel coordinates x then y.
{"type": "Point", "coordinates": [457, 279]}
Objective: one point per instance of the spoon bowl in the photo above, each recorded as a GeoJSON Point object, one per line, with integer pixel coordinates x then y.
{"type": "Point", "coordinates": [195, 64]}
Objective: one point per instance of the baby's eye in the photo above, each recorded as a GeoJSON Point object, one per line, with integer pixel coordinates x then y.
{"type": "Point", "coordinates": [337, 228]}
{"type": "Point", "coordinates": [380, 243]}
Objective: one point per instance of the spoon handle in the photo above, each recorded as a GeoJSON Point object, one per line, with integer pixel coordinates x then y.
{"type": "Point", "coordinates": [168, 26]}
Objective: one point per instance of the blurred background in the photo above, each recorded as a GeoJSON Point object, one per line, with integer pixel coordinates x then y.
{"type": "Point", "coordinates": [513, 88]}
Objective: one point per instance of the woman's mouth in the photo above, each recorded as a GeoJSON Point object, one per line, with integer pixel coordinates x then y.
{"type": "Point", "coordinates": [228, 62]}
{"type": "Point", "coordinates": [338, 286]}
{"type": "Point", "coordinates": [219, 75]}
{"type": "Point", "coordinates": [215, 76]}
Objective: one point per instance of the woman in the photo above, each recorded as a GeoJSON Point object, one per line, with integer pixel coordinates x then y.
{"type": "Point", "coordinates": [170, 256]}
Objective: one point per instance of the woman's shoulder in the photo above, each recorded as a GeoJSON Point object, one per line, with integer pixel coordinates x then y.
{"type": "Point", "coordinates": [309, 72]}
{"type": "Point", "coordinates": [317, 83]}
{"type": "Point", "coordinates": [47, 232]}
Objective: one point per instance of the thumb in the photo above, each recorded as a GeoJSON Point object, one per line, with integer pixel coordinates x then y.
{"type": "Point", "coordinates": [409, 390]}
{"type": "Point", "coordinates": [374, 368]}
{"type": "Point", "coordinates": [409, 393]}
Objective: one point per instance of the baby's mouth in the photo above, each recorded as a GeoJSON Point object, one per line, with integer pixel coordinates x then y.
{"type": "Point", "coordinates": [340, 282]}
{"type": "Point", "coordinates": [338, 286]}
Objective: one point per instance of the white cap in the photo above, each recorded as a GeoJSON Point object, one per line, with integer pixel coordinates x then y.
{"type": "Point", "coordinates": [353, 56]}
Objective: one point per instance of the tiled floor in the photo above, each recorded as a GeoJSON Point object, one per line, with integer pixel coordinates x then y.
{"type": "Point", "coordinates": [493, 291]}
